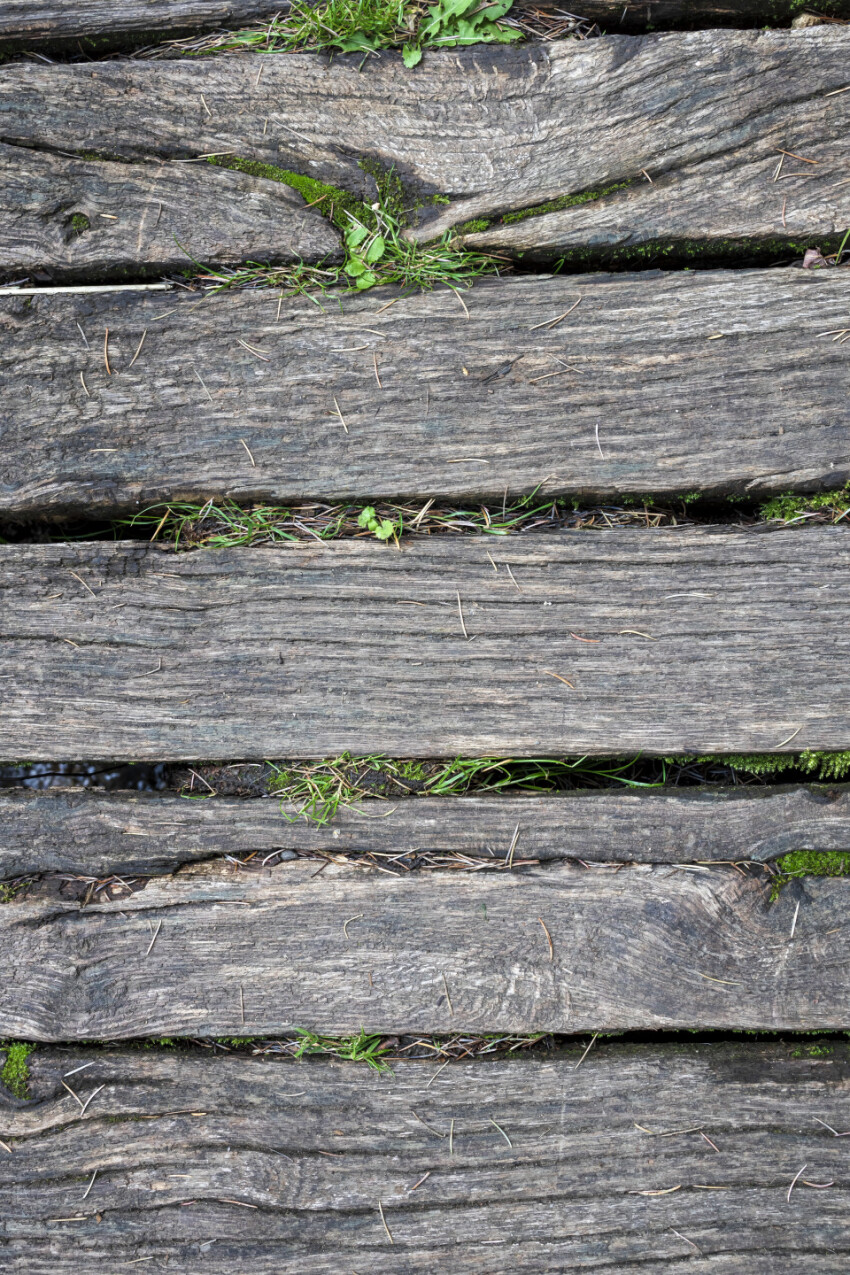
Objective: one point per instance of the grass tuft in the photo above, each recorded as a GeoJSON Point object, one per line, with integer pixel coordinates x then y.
{"type": "Point", "coordinates": [359, 1048]}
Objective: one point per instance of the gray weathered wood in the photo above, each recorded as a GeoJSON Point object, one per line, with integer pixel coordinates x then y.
{"type": "Point", "coordinates": [31, 20]}
{"type": "Point", "coordinates": [252, 954]}
{"type": "Point", "coordinates": [145, 216]}
{"type": "Point", "coordinates": [464, 406]}
{"type": "Point", "coordinates": [700, 639]}
{"type": "Point", "coordinates": [73, 20]}
{"type": "Point", "coordinates": [179, 1142]}
{"type": "Point", "coordinates": [501, 129]}
{"type": "Point", "coordinates": [102, 833]}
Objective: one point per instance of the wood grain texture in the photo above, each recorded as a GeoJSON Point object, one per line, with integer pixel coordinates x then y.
{"type": "Point", "coordinates": [73, 19]}
{"type": "Point", "coordinates": [500, 129]}
{"type": "Point", "coordinates": [253, 954]}
{"type": "Point", "coordinates": [69, 20]}
{"type": "Point", "coordinates": [139, 215]}
{"type": "Point", "coordinates": [98, 834]}
{"type": "Point", "coordinates": [717, 382]}
{"type": "Point", "coordinates": [181, 1144]}
{"type": "Point", "coordinates": [701, 639]}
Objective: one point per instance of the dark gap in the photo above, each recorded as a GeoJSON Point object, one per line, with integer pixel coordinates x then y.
{"type": "Point", "coordinates": [227, 524]}
{"type": "Point", "coordinates": [390, 778]}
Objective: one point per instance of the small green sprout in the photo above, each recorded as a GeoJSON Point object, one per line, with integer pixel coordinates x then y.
{"type": "Point", "coordinates": [383, 528]}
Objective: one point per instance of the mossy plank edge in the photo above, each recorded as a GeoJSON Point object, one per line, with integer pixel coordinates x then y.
{"type": "Point", "coordinates": [85, 218]}
{"type": "Point", "coordinates": [694, 121]}
{"type": "Point", "coordinates": [97, 834]}
{"type": "Point", "coordinates": [700, 640]}
{"type": "Point", "coordinates": [312, 1148]}
{"type": "Point", "coordinates": [714, 382]}
{"type": "Point", "coordinates": [559, 948]}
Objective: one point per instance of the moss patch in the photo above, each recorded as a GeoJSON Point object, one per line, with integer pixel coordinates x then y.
{"type": "Point", "coordinates": [16, 1072]}
{"type": "Point", "coordinates": [822, 765]}
{"type": "Point", "coordinates": [333, 202]}
{"type": "Point", "coordinates": [563, 201]}
{"type": "Point", "coordinates": [810, 863]}
{"type": "Point", "coordinates": [80, 223]}
{"type": "Point", "coordinates": [788, 507]}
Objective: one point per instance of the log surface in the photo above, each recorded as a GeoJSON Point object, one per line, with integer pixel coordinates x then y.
{"type": "Point", "coordinates": [140, 214]}
{"type": "Point", "coordinates": [698, 639]}
{"type": "Point", "coordinates": [180, 1144]}
{"type": "Point", "coordinates": [220, 951]}
{"type": "Point", "coordinates": [98, 834]}
{"type": "Point", "coordinates": [715, 382]}
{"type": "Point", "coordinates": [501, 129]}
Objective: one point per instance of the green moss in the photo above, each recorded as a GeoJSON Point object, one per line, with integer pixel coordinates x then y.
{"type": "Point", "coordinates": [788, 507]}
{"type": "Point", "coordinates": [475, 227]}
{"type": "Point", "coordinates": [563, 201]}
{"type": "Point", "coordinates": [16, 1072]}
{"type": "Point", "coordinates": [80, 223]}
{"type": "Point", "coordinates": [809, 863]}
{"type": "Point", "coordinates": [679, 252]}
{"type": "Point", "coordinates": [332, 201]}
{"type": "Point", "coordinates": [821, 765]}
{"type": "Point", "coordinates": [811, 1051]}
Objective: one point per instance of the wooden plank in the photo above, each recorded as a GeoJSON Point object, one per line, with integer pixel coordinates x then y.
{"type": "Point", "coordinates": [181, 1144]}
{"type": "Point", "coordinates": [71, 20]}
{"type": "Point", "coordinates": [704, 113]}
{"type": "Point", "coordinates": [97, 834]}
{"type": "Point", "coordinates": [699, 639]}
{"type": "Point", "coordinates": [560, 948]}
{"type": "Point", "coordinates": [67, 218]}
{"type": "Point", "coordinates": [718, 382]}
{"type": "Point", "coordinates": [30, 20]}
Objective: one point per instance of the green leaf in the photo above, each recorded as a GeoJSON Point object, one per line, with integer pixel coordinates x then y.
{"type": "Point", "coordinates": [355, 266]}
{"type": "Point", "coordinates": [367, 515]}
{"type": "Point", "coordinates": [355, 235]}
{"type": "Point", "coordinates": [411, 55]}
{"type": "Point", "coordinates": [385, 530]}
{"type": "Point", "coordinates": [367, 280]}
{"type": "Point", "coordinates": [376, 250]}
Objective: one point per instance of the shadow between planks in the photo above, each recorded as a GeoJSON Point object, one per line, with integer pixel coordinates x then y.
{"type": "Point", "coordinates": [662, 140]}
{"type": "Point", "coordinates": [557, 948]}
{"type": "Point", "coordinates": [597, 386]}
{"type": "Point", "coordinates": [100, 834]}
{"type": "Point", "coordinates": [681, 1158]}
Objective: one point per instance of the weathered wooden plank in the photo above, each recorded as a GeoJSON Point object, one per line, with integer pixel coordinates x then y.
{"type": "Point", "coordinates": [72, 20]}
{"type": "Point", "coordinates": [68, 218]}
{"type": "Point", "coordinates": [181, 1144]}
{"type": "Point", "coordinates": [704, 113]}
{"type": "Point", "coordinates": [700, 639]}
{"type": "Point", "coordinates": [677, 408]}
{"type": "Point", "coordinates": [126, 833]}
{"type": "Point", "coordinates": [252, 954]}
{"type": "Point", "coordinates": [30, 20]}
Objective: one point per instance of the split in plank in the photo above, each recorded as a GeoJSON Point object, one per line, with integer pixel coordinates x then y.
{"type": "Point", "coordinates": [596, 386]}
{"type": "Point", "coordinates": [219, 951]}
{"type": "Point", "coordinates": [99, 834]}
{"type": "Point", "coordinates": [699, 639]}
{"type": "Point", "coordinates": [678, 1159]}
{"type": "Point", "coordinates": [694, 124]}
{"type": "Point", "coordinates": [67, 218]}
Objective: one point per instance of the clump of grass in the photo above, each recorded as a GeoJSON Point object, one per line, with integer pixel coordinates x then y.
{"type": "Point", "coordinates": [16, 1072]}
{"type": "Point", "coordinates": [826, 506]}
{"type": "Point", "coordinates": [359, 1048]}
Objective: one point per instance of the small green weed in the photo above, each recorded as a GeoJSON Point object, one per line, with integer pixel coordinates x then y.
{"type": "Point", "coordinates": [383, 528]}
{"type": "Point", "coordinates": [453, 22]}
{"type": "Point", "coordinates": [16, 1072]}
{"type": "Point", "coordinates": [360, 1048]}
